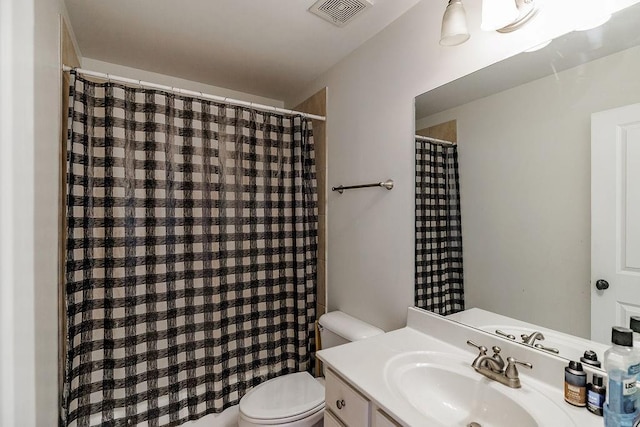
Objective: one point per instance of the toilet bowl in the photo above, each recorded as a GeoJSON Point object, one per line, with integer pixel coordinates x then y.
{"type": "Point", "coordinates": [297, 400]}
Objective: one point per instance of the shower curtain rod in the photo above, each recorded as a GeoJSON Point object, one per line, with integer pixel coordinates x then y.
{"type": "Point", "coordinates": [111, 77]}
{"type": "Point", "coordinates": [434, 140]}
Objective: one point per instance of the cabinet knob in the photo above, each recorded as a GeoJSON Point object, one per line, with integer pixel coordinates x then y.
{"type": "Point", "coordinates": [340, 403]}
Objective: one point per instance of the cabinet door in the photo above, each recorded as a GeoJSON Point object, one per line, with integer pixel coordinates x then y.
{"type": "Point", "coordinates": [380, 419]}
{"type": "Point", "coordinates": [345, 402]}
{"type": "Point", "coordinates": [330, 420]}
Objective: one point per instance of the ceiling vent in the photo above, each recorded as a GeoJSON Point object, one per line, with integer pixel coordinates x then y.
{"type": "Point", "coordinates": [339, 12]}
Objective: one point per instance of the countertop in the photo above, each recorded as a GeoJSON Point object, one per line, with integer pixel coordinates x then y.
{"type": "Point", "coordinates": [364, 364]}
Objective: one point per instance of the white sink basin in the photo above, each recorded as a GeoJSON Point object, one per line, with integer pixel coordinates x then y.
{"type": "Point", "coordinates": [446, 390]}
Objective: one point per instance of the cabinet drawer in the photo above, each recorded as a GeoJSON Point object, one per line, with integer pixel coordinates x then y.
{"type": "Point", "coordinates": [330, 420]}
{"type": "Point", "coordinates": [346, 403]}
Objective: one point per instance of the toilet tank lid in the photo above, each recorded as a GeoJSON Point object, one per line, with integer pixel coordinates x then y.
{"type": "Point", "coordinates": [348, 327]}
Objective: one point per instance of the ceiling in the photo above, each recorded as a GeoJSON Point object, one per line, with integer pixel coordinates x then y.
{"type": "Point", "coordinates": [271, 48]}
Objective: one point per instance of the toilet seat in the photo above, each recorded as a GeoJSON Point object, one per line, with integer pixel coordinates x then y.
{"type": "Point", "coordinates": [283, 400]}
{"type": "Point", "coordinates": [283, 421]}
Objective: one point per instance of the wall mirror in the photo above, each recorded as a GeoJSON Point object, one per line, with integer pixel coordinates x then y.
{"type": "Point", "coordinates": [523, 132]}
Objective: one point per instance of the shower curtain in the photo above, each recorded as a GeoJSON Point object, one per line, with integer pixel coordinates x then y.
{"type": "Point", "coordinates": [191, 254]}
{"type": "Point", "coordinates": [438, 271]}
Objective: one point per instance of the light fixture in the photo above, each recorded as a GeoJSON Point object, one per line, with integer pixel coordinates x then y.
{"type": "Point", "coordinates": [454, 25]}
{"type": "Point", "coordinates": [497, 14]}
{"type": "Point", "coordinates": [591, 14]}
{"type": "Point", "coordinates": [503, 16]}
{"type": "Point", "coordinates": [527, 9]}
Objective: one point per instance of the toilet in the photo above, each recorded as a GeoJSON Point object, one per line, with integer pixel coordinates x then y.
{"type": "Point", "coordinates": [297, 400]}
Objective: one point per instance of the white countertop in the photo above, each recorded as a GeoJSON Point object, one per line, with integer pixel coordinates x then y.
{"type": "Point", "coordinates": [363, 364]}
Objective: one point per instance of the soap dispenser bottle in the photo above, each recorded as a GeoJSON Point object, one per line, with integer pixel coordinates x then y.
{"type": "Point", "coordinates": [622, 363]}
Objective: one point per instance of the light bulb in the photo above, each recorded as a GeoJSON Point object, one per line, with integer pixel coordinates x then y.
{"type": "Point", "coordinates": [497, 14]}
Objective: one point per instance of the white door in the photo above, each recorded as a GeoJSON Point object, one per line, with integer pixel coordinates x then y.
{"type": "Point", "coordinates": [615, 219]}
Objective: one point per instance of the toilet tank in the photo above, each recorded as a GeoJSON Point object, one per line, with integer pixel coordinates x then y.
{"type": "Point", "coordinates": [337, 328]}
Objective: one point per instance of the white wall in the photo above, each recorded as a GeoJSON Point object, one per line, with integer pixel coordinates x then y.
{"type": "Point", "coordinates": [17, 341]}
{"type": "Point", "coordinates": [370, 137]}
{"type": "Point", "coordinates": [29, 111]}
{"type": "Point", "coordinates": [46, 172]}
{"type": "Point", "coordinates": [524, 157]}
{"type": "Point", "coordinates": [163, 79]}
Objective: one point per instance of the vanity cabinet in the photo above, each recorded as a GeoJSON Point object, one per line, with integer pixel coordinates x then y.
{"type": "Point", "coordinates": [346, 407]}
{"type": "Point", "coordinates": [330, 420]}
{"type": "Point", "coordinates": [381, 419]}
{"type": "Point", "coordinates": [374, 382]}
{"type": "Point", "coordinates": [349, 406]}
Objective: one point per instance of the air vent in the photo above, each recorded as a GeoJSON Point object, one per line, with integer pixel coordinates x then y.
{"type": "Point", "coordinates": [339, 12]}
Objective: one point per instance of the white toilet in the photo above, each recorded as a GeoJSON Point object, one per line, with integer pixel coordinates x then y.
{"type": "Point", "coordinates": [297, 400]}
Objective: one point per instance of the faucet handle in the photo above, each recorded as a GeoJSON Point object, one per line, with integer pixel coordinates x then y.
{"type": "Point", "coordinates": [506, 335]}
{"type": "Point", "coordinates": [482, 349]}
{"type": "Point", "coordinates": [549, 349]}
{"type": "Point", "coordinates": [512, 372]}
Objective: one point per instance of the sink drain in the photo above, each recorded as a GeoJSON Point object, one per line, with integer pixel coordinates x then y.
{"type": "Point", "coordinates": [473, 425]}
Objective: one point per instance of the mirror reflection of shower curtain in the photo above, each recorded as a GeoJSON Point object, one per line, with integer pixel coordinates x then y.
{"type": "Point", "coordinates": [191, 254]}
{"type": "Point", "coordinates": [438, 265]}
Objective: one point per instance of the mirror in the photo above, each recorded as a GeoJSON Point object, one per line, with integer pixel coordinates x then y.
{"type": "Point", "coordinates": [523, 130]}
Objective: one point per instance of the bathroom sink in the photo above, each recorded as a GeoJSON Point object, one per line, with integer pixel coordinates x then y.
{"type": "Point", "coordinates": [446, 390]}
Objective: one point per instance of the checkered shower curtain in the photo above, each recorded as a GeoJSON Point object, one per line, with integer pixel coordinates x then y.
{"type": "Point", "coordinates": [439, 280]}
{"type": "Point", "coordinates": [191, 254]}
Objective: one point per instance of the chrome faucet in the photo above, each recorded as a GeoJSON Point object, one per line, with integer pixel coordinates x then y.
{"type": "Point", "coordinates": [531, 339]}
{"type": "Point", "coordinates": [493, 367]}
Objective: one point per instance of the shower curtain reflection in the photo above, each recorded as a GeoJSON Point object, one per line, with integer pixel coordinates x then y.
{"type": "Point", "coordinates": [191, 254]}
{"type": "Point", "coordinates": [438, 274]}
